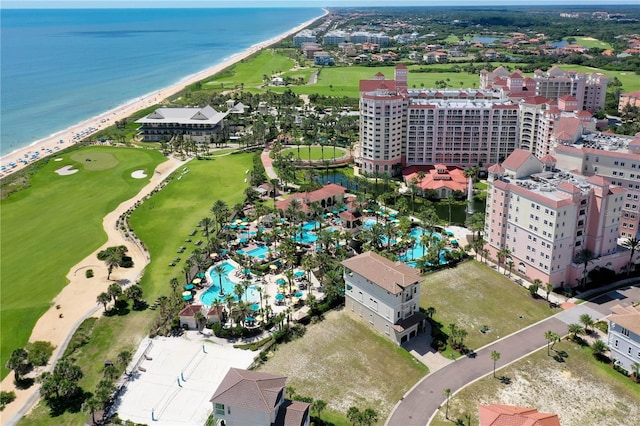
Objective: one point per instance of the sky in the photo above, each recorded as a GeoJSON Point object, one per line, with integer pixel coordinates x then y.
{"type": "Point", "coordinates": [294, 3]}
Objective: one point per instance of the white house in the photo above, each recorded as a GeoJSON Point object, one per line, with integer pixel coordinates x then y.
{"type": "Point", "coordinates": [251, 398]}
{"type": "Point", "coordinates": [624, 336]}
{"type": "Point", "coordinates": [384, 293]}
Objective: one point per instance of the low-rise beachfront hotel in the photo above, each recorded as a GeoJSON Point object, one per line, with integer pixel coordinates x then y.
{"type": "Point", "coordinates": [201, 125]}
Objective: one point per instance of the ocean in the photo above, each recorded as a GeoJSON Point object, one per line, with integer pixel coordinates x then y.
{"type": "Point", "coordinates": [59, 67]}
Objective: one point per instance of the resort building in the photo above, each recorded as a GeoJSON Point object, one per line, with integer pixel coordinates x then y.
{"type": "Point", "coordinates": [326, 197]}
{"type": "Point", "coordinates": [361, 37]}
{"type": "Point", "coordinates": [304, 36]}
{"type": "Point", "coordinates": [509, 415]}
{"type": "Point", "coordinates": [614, 157]}
{"type": "Point", "coordinates": [201, 125]}
{"type": "Point", "coordinates": [629, 99]}
{"type": "Point", "coordinates": [589, 90]}
{"type": "Point", "coordinates": [623, 337]}
{"type": "Point", "coordinates": [334, 38]}
{"type": "Point", "coordinates": [401, 127]}
{"type": "Point", "coordinates": [439, 178]}
{"type": "Point", "coordinates": [386, 294]}
{"type": "Point", "coordinates": [246, 398]}
{"type": "Point", "coordinates": [545, 217]}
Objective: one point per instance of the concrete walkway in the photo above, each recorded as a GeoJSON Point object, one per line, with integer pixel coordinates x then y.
{"type": "Point", "coordinates": [422, 402]}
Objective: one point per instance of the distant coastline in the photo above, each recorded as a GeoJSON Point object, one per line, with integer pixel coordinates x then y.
{"type": "Point", "coordinates": [50, 145]}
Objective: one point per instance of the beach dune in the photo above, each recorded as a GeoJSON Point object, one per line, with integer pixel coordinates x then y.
{"type": "Point", "coordinates": [21, 158]}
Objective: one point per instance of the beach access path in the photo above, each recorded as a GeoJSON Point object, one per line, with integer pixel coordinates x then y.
{"type": "Point", "coordinates": [77, 300]}
{"type": "Point", "coordinates": [53, 144]}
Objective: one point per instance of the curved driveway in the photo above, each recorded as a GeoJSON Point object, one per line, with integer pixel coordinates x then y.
{"type": "Point", "coordinates": [425, 398]}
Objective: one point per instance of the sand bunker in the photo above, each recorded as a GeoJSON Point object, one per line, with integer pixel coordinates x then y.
{"type": "Point", "coordinates": [66, 170]}
{"type": "Point", "coordinates": [139, 174]}
{"type": "Point", "coordinates": [58, 159]}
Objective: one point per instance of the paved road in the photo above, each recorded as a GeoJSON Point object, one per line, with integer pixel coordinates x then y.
{"type": "Point", "coordinates": [421, 402]}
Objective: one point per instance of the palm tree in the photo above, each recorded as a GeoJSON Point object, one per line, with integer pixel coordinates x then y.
{"type": "Point", "coordinates": [552, 338]}
{"type": "Point", "coordinates": [584, 256]}
{"type": "Point", "coordinates": [91, 406]}
{"type": "Point", "coordinates": [124, 358]}
{"type": "Point", "coordinates": [510, 264]}
{"type": "Point", "coordinates": [219, 269]}
{"type": "Point", "coordinates": [503, 254]}
{"type": "Point", "coordinates": [575, 329]}
{"type": "Point", "coordinates": [199, 317]}
{"type": "Point", "coordinates": [495, 356]}
{"type": "Point", "coordinates": [548, 288]}
{"type": "Point", "coordinates": [113, 260]}
{"type": "Point", "coordinates": [587, 321]}
{"type": "Point", "coordinates": [206, 224]}
{"type": "Point", "coordinates": [246, 284]}
{"type": "Point", "coordinates": [447, 394]}
{"type": "Point", "coordinates": [174, 284]}
{"type": "Point", "coordinates": [114, 291]}
{"type": "Point", "coordinates": [635, 368]}
{"type": "Point", "coordinates": [134, 292]}
{"type": "Point", "coordinates": [632, 244]}
{"type": "Point", "coordinates": [598, 348]}
{"type": "Point", "coordinates": [104, 298]}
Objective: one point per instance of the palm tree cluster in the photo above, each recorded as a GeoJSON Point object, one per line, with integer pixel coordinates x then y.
{"type": "Point", "coordinates": [457, 336]}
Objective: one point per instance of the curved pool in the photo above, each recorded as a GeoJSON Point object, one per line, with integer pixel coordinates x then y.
{"type": "Point", "coordinates": [213, 292]}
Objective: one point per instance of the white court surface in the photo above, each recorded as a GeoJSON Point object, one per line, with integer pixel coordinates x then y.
{"type": "Point", "coordinates": [156, 391]}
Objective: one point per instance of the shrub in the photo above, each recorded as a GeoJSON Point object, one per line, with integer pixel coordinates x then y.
{"type": "Point", "coordinates": [89, 273]}
{"type": "Point", "coordinates": [39, 352]}
{"type": "Point", "coordinates": [6, 398]}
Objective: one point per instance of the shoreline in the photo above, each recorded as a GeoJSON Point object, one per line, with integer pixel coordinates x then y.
{"type": "Point", "coordinates": [50, 145]}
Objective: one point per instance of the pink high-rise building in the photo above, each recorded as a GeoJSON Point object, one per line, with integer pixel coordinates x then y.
{"type": "Point", "coordinates": [544, 216]}
{"type": "Point", "coordinates": [616, 158]}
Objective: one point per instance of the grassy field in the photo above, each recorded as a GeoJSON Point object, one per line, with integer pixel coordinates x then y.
{"type": "Point", "coordinates": [473, 295]}
{"type": "Point", "coordinates": [315, 153]}
{"type": "Point", "coordinates": [580, 390]}
{"type": "Point", "coordinates": [250, 72]}
{"type": "Point", "coordinates": [591, 42]}
{"type": "Point", "coordinates": [165, 220]}
{"type": "Point", "coordinates": [56, 222]}
{"type": "Point", "coordinates": [163, 223]}
{"type": "Point", "coordinates": [342, 361]}
{"type": "Point", "coordinates": [343, 81]}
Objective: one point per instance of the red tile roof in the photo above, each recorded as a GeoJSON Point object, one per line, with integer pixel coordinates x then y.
{"type": "Point", "coordinates": [516, 159]}
{"type": "Point", "coordinates": [548, 159]}
{"type": "Point", "coordinates": [306, 198]}
{"type": "Point", "coordinates": [598, 180]}
{"type": "Point", "coordinates": [567, 127]}
{"type": "Point", "coordinates": [251, 390]}
{"type": "Point", "coordinates": [496, 168]}
{"type": "Point", "coordinates": [454, 178]}
{"type": "Point", "coordinates": [373, 85]}
{"type": "Point", "coordinates": [190, 310]}
{"type": "Point", "coordinates": [507, 415]}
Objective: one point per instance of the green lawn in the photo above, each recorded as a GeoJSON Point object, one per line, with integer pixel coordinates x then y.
{"type": "Point", "coordinates": [581, 390]}
{"type": "Point", "coordinates": [344, 362]}
{"type": "Point", "coordinates": [591, 42]}
{"type": "Point", "coordinates": [472, 295]}
{"type": "Point", "coordinates": [315, 153]}
{"type": "Point", "coordinates": [163, 222]}
{"type": "Point", "coordinates": [52, 225]}
{"type": "Point", "coordinates": [166, 219]}
{"type": "Point", "coordinates": [249, 72]}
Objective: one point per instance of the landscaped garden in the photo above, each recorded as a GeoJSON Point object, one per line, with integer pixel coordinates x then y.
{"type": "Point", "coordinates": [476, 298]}
{"type": "Point", "coordinates": [345, 363]}
{"type": "Point", "coordinates": [53, 224]}
{"type": "Point", "coordinates": [580, 389]}
{"type": "Point", "coordinates": [315, 153]}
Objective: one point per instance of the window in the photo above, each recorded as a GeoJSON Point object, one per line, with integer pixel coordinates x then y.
{"type": "Point", "coordinates": [219, 408]}
{"type": "Point", "coordinates": [624, 331]}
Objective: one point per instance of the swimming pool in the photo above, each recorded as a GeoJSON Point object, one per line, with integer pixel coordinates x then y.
{"type": "Point", "coordinates": [259, 252]}
{"type": "Point", "coordinates": [311, 226]}
{"type": "Point", "coordinates": [369, 223]}
{"type": "Point", "coordinates": [306, 237]}
{"type": "Point", "coordinates": [213, 292]}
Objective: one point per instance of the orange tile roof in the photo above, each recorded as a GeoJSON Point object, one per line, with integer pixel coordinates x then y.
{"type": "Point", "coordinates": [190, 310]}
{"type": "Point", "coordinates": [516, 159]}
{"type": "Point", "coordinates": [507, 415]}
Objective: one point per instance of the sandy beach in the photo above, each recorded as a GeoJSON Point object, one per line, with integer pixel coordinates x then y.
{"type": "Point", "coordinates": [19, 159]}
{"type": "Point", "coordinates": [77, 300]}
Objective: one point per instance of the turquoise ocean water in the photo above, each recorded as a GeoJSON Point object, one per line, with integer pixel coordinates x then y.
{"type": "Point", "coordinates": [60, 67]}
